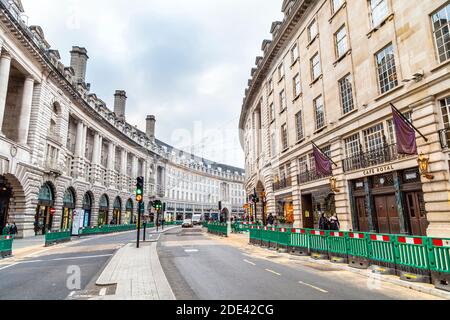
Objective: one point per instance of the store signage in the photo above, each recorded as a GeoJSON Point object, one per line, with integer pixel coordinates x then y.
{"type": "Point", "coordinates": [379, 170]}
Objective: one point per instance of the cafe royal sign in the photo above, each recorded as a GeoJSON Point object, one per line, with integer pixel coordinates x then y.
{"type": "Point", "coordinates": [375, 171]}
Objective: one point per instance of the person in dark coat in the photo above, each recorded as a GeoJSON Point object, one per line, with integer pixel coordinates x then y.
{"type": "Point", "coordinates": [6, 230]}
{"type": "Point", "coordinates": [13, 229]}
{"type": "Point", "coordinates": [323, 222]}
{"type": "Point", "coordinates": [270, 219]}
{"type": "Point", "coordinates": [334, 223]}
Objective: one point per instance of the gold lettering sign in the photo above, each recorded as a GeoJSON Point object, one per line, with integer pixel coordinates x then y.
{"type": "Point", "coordinates": [375, 171]}
{"type": "Point", "coordinates": [306, 214]}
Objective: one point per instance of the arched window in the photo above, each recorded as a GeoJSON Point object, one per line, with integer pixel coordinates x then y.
{"type": "Point", "coordinates": [130, 204]}
{"type": "Point", "coordinates": [104, 203]}
{"type": "Point", "coordinates": [117, 203]}
{"type": "Point", "coordinates": [46, 194]}
{"type": "Point", "coordinates": [69, 199]}
{"type": "Point", "coordinates": [87, 202]}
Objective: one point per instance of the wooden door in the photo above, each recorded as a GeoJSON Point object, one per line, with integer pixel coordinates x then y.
{"type": "Point", "coordinates": [363, 215]}
{"type": "Point", "coordinates": [416, 213]}
{"type": "Point", "coordinates": [387, 214]}
{"type": "Point", "coordinates": [307, 211]}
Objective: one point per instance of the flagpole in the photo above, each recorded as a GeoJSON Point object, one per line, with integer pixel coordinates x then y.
{"type": "Point", "coordinates": [315, 145]}
{"type": "Point", "coordinates": [409, 122]}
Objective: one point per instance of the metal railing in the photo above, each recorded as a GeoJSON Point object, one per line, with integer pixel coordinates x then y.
{"type": "Point", "coordinates": [282, 184]}
{"type": "Point", "coordinates": [372, 158]}
{"type": "Point", "coordinates": [310, 176]}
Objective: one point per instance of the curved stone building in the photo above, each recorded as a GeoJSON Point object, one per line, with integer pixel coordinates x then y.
{"type": "Point", "coordinates": [328, 76]}
{"type": "Point", "coordinates": [66, 159]}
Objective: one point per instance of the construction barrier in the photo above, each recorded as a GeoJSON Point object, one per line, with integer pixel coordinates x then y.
{"type": "Point", "coordinates": [55, 237]}
{"type": "Point", "coordinates": [337, 246]}
{"type": "Point", "coordinates": [439, 254]}
{"type": "Point", "coordinates": [318, 244]}
{"type": "Point", "coordinates": [358, 250]}
{"type": "Point", "coordinates": [284, 240]}
{"type": "Point", "coordinates": [382, 253]}
{"type": "Point", "coordinates": [107, 229]}
{"type": "Point", "coordinates": [255, 235]}
{"type": "Point", "coordinates": [6, 246]}
{"type": "Point", "coordinates": [414, 259]}
{"type": "Point", "coordinates": [220, 229]}
{"type": "Point", "coordinates": [299, 244]}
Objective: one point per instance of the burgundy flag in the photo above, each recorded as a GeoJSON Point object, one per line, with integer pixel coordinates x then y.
{"type": "Point", "coordinates": [406, 135]}
{"type": "Point", "coordinates": [323, 164]}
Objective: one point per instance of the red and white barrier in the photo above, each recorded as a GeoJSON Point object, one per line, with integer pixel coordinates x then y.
{"type": "Point", "coordinates": [406, 240]}
{"type": "Point", "coordinates": [298, 231]}
{"type": "Point", "coordinates": [382, 238]}
{"type": "Point", "coordinates": [337, 234]}
{"type": "Point", "coordinates": [283, 230]}
{"type": "Point", "coordinates": [356, 235]}
{"type": "Point", "coordinates": [7, 238]}
{"type": "Point", "coordinates": [441, 243]}
{"type": "Point", "coordinates": [317, 233]}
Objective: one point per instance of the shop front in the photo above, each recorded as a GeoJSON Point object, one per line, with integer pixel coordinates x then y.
{"type": "Point", "coordinates": [129, 217]}
{"type": "Point", "coordinates": [284, 210]}
{"type": "Point", "coordinates": [390, 202]}
{"type": "Point", "coordinates": [117, 211]}
{"type": "Point", "coordinates": [180, 211]}
{"type": "Point", "coordinates": [315, 202]}
{"type": "Point", "coordinates": [68, 210]}
{"type": "Point", "coordinates": [103, 211]}
{"type": "Point", "coordinates": [45, 210]}
{"type": "Point", "coordinates": [87, 208]}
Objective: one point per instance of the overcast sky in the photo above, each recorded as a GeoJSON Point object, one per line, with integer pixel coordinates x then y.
{"type": "Point", "coordinates": [186, 62]}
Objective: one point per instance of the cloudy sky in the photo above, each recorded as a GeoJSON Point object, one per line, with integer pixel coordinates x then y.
{"type": "Point", "coordinates": [187, 62]}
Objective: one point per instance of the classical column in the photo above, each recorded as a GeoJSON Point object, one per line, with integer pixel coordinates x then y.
{"type": "Point", "coordinates": [5, 66]}
{"type": "Point", "coordinates": [25, 110]}
{"type": "Point", "coordinates": [96, 151]}
{"type": "Point", "coordinates": [79, 140]}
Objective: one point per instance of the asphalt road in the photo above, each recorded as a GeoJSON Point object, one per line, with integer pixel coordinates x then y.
{"type": "Point", "coordinates": [52, 273]}
{"type": "Point", "coordinates": [198, 267]}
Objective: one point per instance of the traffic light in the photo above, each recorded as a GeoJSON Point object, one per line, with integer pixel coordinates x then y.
{"type": "Point", "coordinates": [140, 189]}
{"type": "Point", "coordinates": [157, 204]}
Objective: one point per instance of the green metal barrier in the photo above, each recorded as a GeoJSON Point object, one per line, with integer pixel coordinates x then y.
{"type": "Point", "coordinates": [337, 246]}
{"type": "Point", "coordinates": [318, 244]}
{"type": "Point", "coordinates": [439, 254]}
{"type": "Point", "coordinates": [299, 243]}
{"type": "Point", "coordinates": [358, 250]}
{"type": "Point", "coordinates": [265, 237]}
{"type": "Point", "coordinates": [6, 246]}
{"type": "Point", "coordinates": [54, 237]}
{"type": "Point", "coordinates": [220, 229]}
{"type": "Point", "coordinates": [382, 253]}
{"type": "Point", "coordinates": [255, 235]}
{"type": "Point", "coordinates": [412, 259]}
{"type": "Point", "coordinates": [272, 234]}
{"type": "Point", "coordinates": [284, 240]}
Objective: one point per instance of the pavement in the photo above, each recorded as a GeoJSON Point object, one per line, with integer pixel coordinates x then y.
{"type": "Point", "coordinates": [136, 273]}
{"type": "Point", "coordinates": [200, 266]}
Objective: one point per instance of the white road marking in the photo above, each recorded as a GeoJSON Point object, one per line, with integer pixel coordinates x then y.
{"type": "Point", "coordinates": [271, 271]}
{"type": "Point", "coordinates": [314, 287]}
{"type": "Point", "coordinates": [84, 257]}
{"type": "Point", "coordinates": [249, 262]}
{"type": "Point", "coordinates": [190, 250]}
{"type": "Point", "coordinates": [102, 292]}
{"type": "Point", "coordinates": [72, 293]}
{"type": "Point", "coordinates": [8, 266]}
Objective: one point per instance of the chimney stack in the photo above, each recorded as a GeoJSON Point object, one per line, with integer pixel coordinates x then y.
{"type": "Point", "coordinates": [78, 61]}
{"type": "Point", "coordinates": [120, 100]}
{"type": "Point", "coordinates": [150, 128]}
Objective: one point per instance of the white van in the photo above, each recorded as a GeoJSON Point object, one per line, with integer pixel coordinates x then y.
{"type": "Point", "coordinates": [196, 219]}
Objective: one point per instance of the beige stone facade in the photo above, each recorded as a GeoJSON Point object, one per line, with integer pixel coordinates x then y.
{"type": "Point", "coordinates": [64, 155]}
{"type": "Point", "coordinates": [341, 64]}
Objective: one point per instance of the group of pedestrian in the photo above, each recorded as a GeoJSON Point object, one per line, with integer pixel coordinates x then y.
{"type": "Point", "coordinates": [331, 223]}
{"type": "Point", "coordinates": [9, 229]}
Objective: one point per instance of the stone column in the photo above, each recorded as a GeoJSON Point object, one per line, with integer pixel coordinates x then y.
{"type": "Point", "coordinates": [79, 140]}
{"type": "Point", "coordinates": [96, 158]}
{"type": "Point", "coordinates": [5, 67]}
{"type": "Point", "coordinates": [123, 172]}
{"type": "Point", "coordinates": [25, 110]}
{"type": "Point", "coordinates": [111, 163]}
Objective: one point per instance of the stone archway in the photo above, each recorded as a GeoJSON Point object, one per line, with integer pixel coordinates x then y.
{"type": "Point", "coordinates": [12, 201]}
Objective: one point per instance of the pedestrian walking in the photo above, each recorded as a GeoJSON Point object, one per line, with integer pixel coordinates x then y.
{"type": "Point", "coordinates": [13, 229]}
{"type": "Point", "coordinates": [270, 219]}
{"type": "Point", "coordinates": [323, 222]}
{"type": "Point", "coordinates": [334, 223]}
{"type": "Point", "coordinates": [6, 230]}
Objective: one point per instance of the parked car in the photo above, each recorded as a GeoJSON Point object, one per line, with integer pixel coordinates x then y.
{"type": "Point", "coordinates": [187, 223]}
